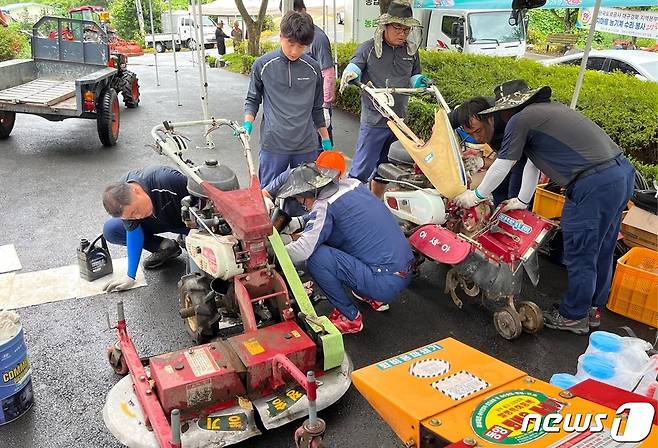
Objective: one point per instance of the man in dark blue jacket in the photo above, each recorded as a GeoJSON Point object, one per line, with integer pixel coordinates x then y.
{"type": "Point", "coordinates": [288, 82]}
{"type": "Point", "coordinates": [578, 155]}
{"type": "Point", "coordinates": [350, 240]}
{"type": "Point", "coordinates": [142, 204]}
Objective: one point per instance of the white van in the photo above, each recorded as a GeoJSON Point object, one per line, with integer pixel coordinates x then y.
{"type": "Point", "coordinates": [184, 32]}
{"type": "Point", "coordinates": [472, 31]}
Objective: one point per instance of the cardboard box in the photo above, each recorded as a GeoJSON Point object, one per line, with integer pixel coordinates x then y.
{"type": "Point", "coordinates": [640, 228]}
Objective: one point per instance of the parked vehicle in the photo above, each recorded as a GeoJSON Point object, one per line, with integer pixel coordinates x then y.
{"type": "Point", "coordinates": [638, 63]}
{"type": "Point", "coordinates": [72, 75]}
{"type": "Point", "coordinates": [478, 31]}
{"type": "Point", "coordinates": [184, 32]}
{"type": "Point", "coordinates": [101, 16]}
{"type": "Point", "coordinates": [472, 31]}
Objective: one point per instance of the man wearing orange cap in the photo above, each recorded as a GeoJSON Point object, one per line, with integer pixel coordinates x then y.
{"type": "Point", "coordinates": [292, 210]}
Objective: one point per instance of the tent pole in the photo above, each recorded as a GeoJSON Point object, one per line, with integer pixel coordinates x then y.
{"type": "Point", "coordinates": [173, 47]}
{"type": "Point", "coordinates": [324, 15]}
{"type": "Point", "coordinates": [335, 40]}
{"type": "Point", "coordinates": [201, 58]}
{"type": "Point", "coordinates": [583, 63]}
{"type": "Point", "coordinates": [189, 18]}
{"type": "Point", "coordinates": [155, 53]}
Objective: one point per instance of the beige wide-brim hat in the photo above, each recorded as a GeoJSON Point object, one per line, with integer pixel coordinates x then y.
{"type": "Point", "coordinates": [399, 11]}
{"type": "Point", "coordinates": [513, 94]}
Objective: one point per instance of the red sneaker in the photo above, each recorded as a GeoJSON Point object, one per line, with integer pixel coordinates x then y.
{"type": "Point", "coordinates": [345, 325]}
{"type": "Point", "coordinates": [376, 305]}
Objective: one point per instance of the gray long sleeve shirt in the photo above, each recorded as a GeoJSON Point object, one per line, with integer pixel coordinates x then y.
{"type": "Point", "coordinates": [393, 69]}
{"type": "Point", "coordinates": [292, 96]}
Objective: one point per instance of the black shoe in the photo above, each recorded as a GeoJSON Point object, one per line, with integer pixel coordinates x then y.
{"type": "Point", "coordinates": [169, 249]}
{"type": "Point", "coordinates": [557, 321]}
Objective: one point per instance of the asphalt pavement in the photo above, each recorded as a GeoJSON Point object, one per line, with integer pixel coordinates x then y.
{"type": "Point", "coordinates": [52, 176]}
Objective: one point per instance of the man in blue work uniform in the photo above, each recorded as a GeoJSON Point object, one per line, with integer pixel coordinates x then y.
{"type": "Point", "coordinates": [577, 154]}
{"type": "Point", "coordinates": [143, 204]}
{"type": "Point", "coordinates": [390, 59]}
{"type": "Point", "coordinates": [288, 82]}
{"type": "Point", "coordinates": [350, 240]}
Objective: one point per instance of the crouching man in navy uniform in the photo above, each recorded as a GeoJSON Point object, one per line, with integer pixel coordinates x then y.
{"type": "Point", "coordinates": [350, 240]}
{"type": "Point", "coordinates": [142, 204]}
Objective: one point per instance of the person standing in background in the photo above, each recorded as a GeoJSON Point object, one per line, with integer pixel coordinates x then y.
{"type": "Point", "coordinates": [236, 34]}
{"type": "Point", "coordinates": [220, 35]}
{"type": "Point", "coordinates": [320, 50]}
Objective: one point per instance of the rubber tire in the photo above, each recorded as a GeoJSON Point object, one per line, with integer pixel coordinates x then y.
{"type": "Point", "coordinates": [108, 114]}
{"type": "Point", "coordinates": [194, 287]}
{"type": "Point", "coordinates": [191, 44]}
{"type": "Point", "coordinates": [7, 121]}
{"type": "Point", "coordinates": [160, 47]}
{"type": "Point", "coordinates": [128, 84]}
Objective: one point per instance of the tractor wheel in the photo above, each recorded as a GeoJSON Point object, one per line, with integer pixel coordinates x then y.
{"type": "Point", "coordinates": [108, 117]}
{"type": "Point", "coordinates": [191, 44]}
{"type": "Point", "coordinates": [159, 47]}
{"type": "Point", "coordinates": [198, 311]}
{"type": "Point", "coordinates": [128, 84]}
{"type": "Point", "coordinates": [117, 360]}
{"type": "Point", "coordinates": [7, 120]}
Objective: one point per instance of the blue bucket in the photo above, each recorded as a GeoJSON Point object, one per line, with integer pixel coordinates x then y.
{"type": "Point", "coordinates": [16, 395]}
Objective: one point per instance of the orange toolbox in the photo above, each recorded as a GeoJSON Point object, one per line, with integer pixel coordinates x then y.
{"type": "Point", "coordinates": [634, 291]}
{"type": "Point", "coordinates": [447, 394]}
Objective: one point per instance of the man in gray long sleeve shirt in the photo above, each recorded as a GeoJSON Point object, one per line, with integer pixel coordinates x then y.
{"type": "Point", "coordinates": [390, 59]}
{"type": "Point", "coordinates": [289, 85]}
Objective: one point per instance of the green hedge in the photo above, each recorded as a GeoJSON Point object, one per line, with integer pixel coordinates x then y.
{"type": "Point", "coordinates": [625, 107]}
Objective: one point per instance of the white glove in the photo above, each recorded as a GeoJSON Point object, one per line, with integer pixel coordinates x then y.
{"type": "Point", "coordinates": [120, 284]}
{"type": "Point", "coordinates": [327, 116]}
{"type": "Point", "coordinates": [296, 223]}
{"type": "Point", "coordinates": [269, 205]}
{"type": "Point", "coordinates": [467, 199]}
{"type": "Point", "coordinates": [345, 80]}
{"type": "Point", "coordinates": [514, 204]}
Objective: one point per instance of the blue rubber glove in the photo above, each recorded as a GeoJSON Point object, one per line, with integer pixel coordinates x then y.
{"type": "Point", "coordinates": [326, 144]}
{"type": "Point", "coordinates": [419, 81]}
{"type": "Point", "coordinates": [248, 126]}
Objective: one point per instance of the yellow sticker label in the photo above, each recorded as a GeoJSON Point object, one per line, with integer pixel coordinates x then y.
{"type": "Point", "coordinates": [253, 346]}
{"type": "Point", "coordinates": [295, 333]}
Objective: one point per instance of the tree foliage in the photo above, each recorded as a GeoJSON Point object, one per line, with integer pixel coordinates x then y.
{"type": "Point", "coordinates": [13, 44]}
{"type": "Point", "coordinates": [124, 17]}
{"type": "Point", "coordinates": [254, 27]}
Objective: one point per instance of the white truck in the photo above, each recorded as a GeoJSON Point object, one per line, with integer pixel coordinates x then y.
{"type": "Point", "coordinates": [470, 31]}
{"type": "Point", "coordinates": [184, 32]}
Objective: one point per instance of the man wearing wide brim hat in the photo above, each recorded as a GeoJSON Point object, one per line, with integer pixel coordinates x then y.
{"type": "Point", "coordinates": [389, 59]}
{"type": "Point", "coordinates": [578, 155]}
{"type": "Point", "coordinates": [350, 240]}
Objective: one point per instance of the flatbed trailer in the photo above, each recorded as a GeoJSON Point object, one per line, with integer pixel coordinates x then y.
{"type": "Point", "coordinates": [68, 77]}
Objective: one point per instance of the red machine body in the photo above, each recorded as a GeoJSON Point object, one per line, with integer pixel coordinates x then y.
{"type": "Point", "coordinates": [256, 350]}
{"type": "Point", "coordinates": [202, 378]}
{"type": "Point", "coordinates": [511, 235]}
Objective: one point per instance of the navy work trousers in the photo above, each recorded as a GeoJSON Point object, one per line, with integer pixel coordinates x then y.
{"type": "Point", "coordinates": [115, 233]}
{"type": "Point", "coordinates": [333, 270]}
{"type": "Point", "coordinates": [590, 225]}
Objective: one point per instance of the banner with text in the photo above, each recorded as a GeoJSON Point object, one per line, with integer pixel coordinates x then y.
{"type": "Point", "coordinates": [622, 21]}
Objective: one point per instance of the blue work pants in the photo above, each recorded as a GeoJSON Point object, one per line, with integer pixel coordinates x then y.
{"type": "Point", "coordinates": [115, 232]}
{"type": "Point", "coordinates": [271, 164]}
{"type": "Point", "coordinates": [590, 226]}
{"type": "Point", "coordinates": [371, 151]}
{"type": "Point", "coordinates": [333, 270]}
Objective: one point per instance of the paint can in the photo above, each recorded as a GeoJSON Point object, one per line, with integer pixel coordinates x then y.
{"type": "Point", "coordinates": [16, 395]}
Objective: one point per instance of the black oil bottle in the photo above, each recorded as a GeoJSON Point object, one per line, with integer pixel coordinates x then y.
{"type": "Point", "coordinates": [94, 261]}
